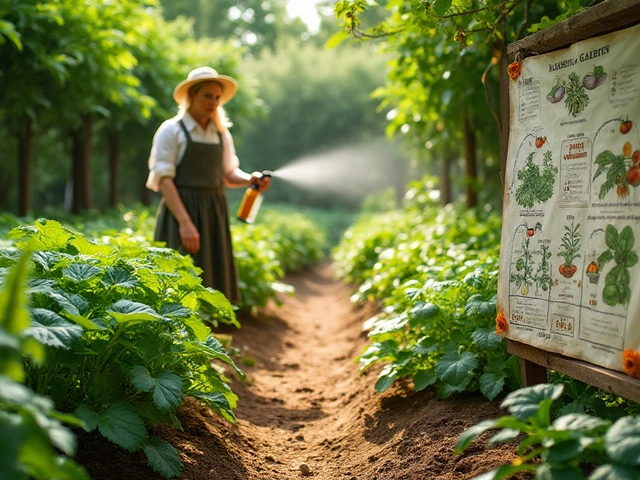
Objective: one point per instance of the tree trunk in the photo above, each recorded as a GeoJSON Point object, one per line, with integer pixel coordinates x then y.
{"type": "Point", "coordinates": [81, 152]}
{"type": "Point", "coordinates": [445, 179]}
{"type": "Point", "coordinates": [470, 171]}
{"type": "Point", "coordinates": [25, 151]}
{"type": "Point", "coordinates": [114, 167]}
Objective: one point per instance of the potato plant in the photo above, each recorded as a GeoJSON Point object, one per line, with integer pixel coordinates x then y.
{"type": "Point", "coordinates": [34, 443]}
{"type": "Point", "coordinates": [563, 447]}
{"type": "Point", "coordinates": [124, 344]}
{"type": "Point", "coordinates": [435, 269]}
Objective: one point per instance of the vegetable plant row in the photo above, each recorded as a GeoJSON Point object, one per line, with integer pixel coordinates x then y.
{"type": "Point", "coordinates": [112, 331]}
{"type": "Point", "coordinates": [435, 268]}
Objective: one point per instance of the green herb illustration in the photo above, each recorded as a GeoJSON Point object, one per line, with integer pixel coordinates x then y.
{"type": "Point", "coordinates": [570, 247]}
{"type": "Point", "coordinates": [543, 273]}
{"type": "Point", "coordinates": [616, 282]}
{"type": "Point", "coordinates": [536, 187]}
{"type": "Point", "coordinates": [524, 265]}
{"type": "Point", "coordinates": [616, 174]}
{"type": "Point", "coordinates": [576, 99]}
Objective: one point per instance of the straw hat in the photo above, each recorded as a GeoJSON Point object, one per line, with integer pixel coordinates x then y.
{"type": "Point", "coordinates": [203, 74]}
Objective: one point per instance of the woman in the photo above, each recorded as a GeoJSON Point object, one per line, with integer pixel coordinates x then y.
{"type": "Point", "coordinates": [192, 159]}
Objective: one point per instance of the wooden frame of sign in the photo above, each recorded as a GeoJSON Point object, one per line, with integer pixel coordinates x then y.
{"type": "Point", "coordinates": [606, 17]}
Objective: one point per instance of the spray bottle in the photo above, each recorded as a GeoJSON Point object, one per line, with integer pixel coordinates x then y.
{"type": "Point", "coordinates": [251, 201]}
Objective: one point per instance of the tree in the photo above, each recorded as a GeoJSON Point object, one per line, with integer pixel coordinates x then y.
{"type": "Point", "coordinates": [444, 77]}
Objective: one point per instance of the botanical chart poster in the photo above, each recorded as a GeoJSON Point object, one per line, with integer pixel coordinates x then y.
{"type": "Point", "coordinates": [569, 269]}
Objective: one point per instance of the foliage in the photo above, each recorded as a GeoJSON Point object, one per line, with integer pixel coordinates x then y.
{"type": "Point", "coordinates": [436, 271]}
{"type": "Point", "coordinates": [616, 171]}
{"type": "Point", "coordinates": [559, 448]}
{"type": "Point", "coordinates": [124, 342]}
{"type": "Point", "coordinates": [536, 186]}
{"type": "Point", "coordinates": [524, 267]}
{"type": "Point", "coordinates": [570, 244]}
{"type": "Point", "coordinates": [616, 290]}
{"type": "Point", "coordinates": [576, 98]}
{"type": "Point", "coordinates": [32, 434]}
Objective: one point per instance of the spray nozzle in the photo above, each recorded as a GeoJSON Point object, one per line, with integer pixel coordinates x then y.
{"type": "Point", "coordinates": [267, 173]}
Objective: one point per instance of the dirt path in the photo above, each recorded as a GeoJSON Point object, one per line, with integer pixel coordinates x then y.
{"type": "Point", "coordinates": [303, 403]}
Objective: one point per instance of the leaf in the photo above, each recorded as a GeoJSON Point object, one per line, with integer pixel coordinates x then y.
{"type": "Point", "coordinates": [127, 311]}
{"type": "Point", "coordinates": [218, 402]}
{"type": "Point", "coordinates": [175, 310]}
{"type": "Point", "coordinates": [626, 240]}
{"type": "Point", "coordinates": [163, 457]}
{"type": "Point", "coordinates": [525, 402]}
{"type": "Point", "coordinates": [611, 237]}
{"type": "Point", "coordinates": [564, 451]}
{"type": "Point", "coordinates": [81, 272]}
{"type": "Point", "coordinates": [422, 379]}
{"type": "Point", "coordinates": [470, 434]}
{"type": "Point", "coordinates": [491, 384]}
{"type": "Point", "coordinates": [486, 338]}
{"type": "Point", "coordinates": [386, 378]}
{"type": "Point", "coordinates": [622, 441]}
{"type": "Point", "coordinates": [456, 367]}
{"type": "Point", "coordinates": [558, 472]}
{"type": "Point", "coordinates": [615, 472]}
{"type": "Point", "coordinates": [578, 422]}
{"type": "Point", "coordinates": [423, 310]}
{"type": "Point", "coordinates": [87, 247]}
{"type": "Point", "coordinates": [14, 317]}
{"type": "Point", "coordinates": [165, 385]}
{"type": "Point", "coordinates": [123, 426]}
{"type": "Point", "coordinates": [504, 436]}
{"type": "Point", "coordinates": [336, 39]}
{"type": "Point", "coordinates": [441, 6]}
{"type": "Point", "coordinates": [119, 277]}
{"type": "Point", "coordinates": [477, 306]}
{"type": "Point", "coordinates": [12, 434]}
{"type": "Point", "coordinates": [50, 329]}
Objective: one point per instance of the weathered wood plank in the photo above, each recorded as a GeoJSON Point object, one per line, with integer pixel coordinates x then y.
{"type": "Point", "coordinates": [614, 382]}
{"type": "Point", "coordinates": [606, 17]}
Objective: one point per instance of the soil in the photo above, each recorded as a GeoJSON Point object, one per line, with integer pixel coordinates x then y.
{"type": "Point", "coordinates": [303, 403]}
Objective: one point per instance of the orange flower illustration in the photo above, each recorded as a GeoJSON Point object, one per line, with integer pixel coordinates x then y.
{"type": "Point", "coordinates": [501, 324]}
{"type": "Point", "coordinates": [631, 362]}
{"type": "Point", "coordinates": [514, 69]}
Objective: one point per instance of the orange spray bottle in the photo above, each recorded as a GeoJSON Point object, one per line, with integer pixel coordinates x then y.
{"type": "Point", "coordinates": [251, 201]}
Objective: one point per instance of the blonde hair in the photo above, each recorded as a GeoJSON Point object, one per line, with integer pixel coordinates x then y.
{"type": "Point", "coordinates": [219, 118]}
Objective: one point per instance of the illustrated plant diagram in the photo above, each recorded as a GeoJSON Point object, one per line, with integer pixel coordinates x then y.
{"type": "Point", "coordinates": [616, 282]}
{"type": "Point", "coordinates": [536, 186]}
{"type": "Point", "coordinates": [621, 171]}
{"type": "Point", "coordinates": [543, 273]}
{"type": "Point", "coordinates": [574, 91]}
{"type": "Point", "coordinates": [525, 276]}
{"type": "Point", "coordinates": [569, 250]}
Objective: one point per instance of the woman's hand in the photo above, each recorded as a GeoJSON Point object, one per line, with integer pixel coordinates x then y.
{"type": "Point", "coordinates": [190, 237]}
{"type": "Point", "coordinates": [263, 181]}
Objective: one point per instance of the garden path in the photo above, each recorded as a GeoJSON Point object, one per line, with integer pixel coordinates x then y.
{"type": "Point", "coordinates": [303, 403]}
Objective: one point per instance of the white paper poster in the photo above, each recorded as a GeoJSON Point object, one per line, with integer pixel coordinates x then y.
{"type": "Point", "coordinates": [569, 269]}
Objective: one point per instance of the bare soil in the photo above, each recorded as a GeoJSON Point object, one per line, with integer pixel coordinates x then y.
{"type": "Point", "coordinates": [303, 402]}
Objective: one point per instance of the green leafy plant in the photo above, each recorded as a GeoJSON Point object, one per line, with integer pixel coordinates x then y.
{"type": "Point", "coordinates": [34, 443]}
{"type": "Point", "coordinates": [616, 288]}
{"type": "Point", "coordinates": [524, 267]}
{"type": "Point", "coordinates": [576, 99]}
{"type": "Point", "coordinates": [536, 186]}
{"type": "Point", "coordinates": [615, 168]}
{"type": "Point", "coordinates": [124, 343]}
{"type": "Point", "coordinates": [543, 273]}
{"type": "Point", "coordinates": [571, 241]}
{"type": "Point", "coordinates": [559, 448]}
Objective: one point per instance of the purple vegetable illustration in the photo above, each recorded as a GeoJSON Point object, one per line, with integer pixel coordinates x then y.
{"type": "Point", "coordinates": [595, 78]}
{"type": "Point", "coordinates": [557, 92]}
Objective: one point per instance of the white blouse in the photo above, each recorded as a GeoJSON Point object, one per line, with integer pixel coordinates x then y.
{"type": "Point", "coordinates": [170, 143]}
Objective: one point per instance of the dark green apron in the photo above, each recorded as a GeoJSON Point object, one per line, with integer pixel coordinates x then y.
{"type": "Point", "coordinates": [199, 180]}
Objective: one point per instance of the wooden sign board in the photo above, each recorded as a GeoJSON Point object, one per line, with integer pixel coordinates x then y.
{"type": "Point", "coordinates": [569, 290]}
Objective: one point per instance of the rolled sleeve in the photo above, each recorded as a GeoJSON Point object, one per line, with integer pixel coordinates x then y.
{"type": "Point", "coordinates": [164, 155]}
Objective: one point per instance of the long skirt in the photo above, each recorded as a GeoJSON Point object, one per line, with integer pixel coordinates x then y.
{"type": "Point", "coordinates": [210, 214]}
